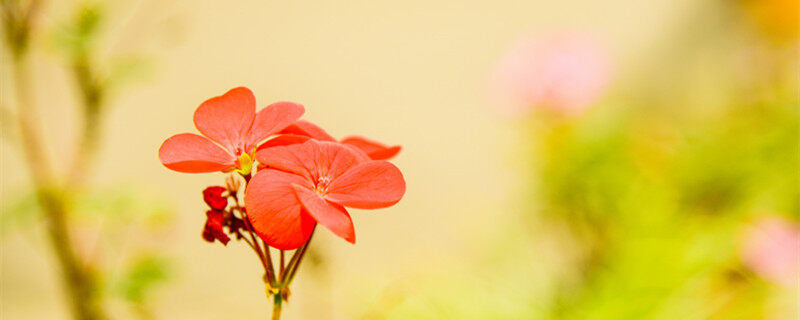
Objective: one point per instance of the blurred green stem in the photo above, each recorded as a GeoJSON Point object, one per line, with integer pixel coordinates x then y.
{"type": "Point", "coordinates": [78, 280]}
{"type": "Point", "coordinates": [92, 94]}
{"type": "Point", "coordinates": [80, 285]}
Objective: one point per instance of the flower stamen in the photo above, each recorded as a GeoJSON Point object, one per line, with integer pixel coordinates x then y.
{"type": "Point", "coordinates": [321, 186]}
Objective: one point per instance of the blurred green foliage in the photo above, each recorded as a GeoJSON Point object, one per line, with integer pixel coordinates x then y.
{"type": "Point", "coordinates": [114, 232]}
{"type": "Point", "coordinates": [135, 283]}
{"type": "Point", "coordinates": [644, 200]}
{"type": "Point", "coordinates": [19, 213]}
{"type": "Point", "coordinates": [119, 229]}
{"type": "Point", "coordinates": [77, 35]}
{"type": "Point", "coordinates": [664, 211]}
{"type": "Point", "coordinates": [129, 204]}
{"type": "Point", "coordinates": [657, 217]}
{"type": "Point", "coordinates": [124, 206]}
{"type": "Point", "coordinates": [81, 40]}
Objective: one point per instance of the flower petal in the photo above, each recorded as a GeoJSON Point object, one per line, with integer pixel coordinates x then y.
{"type": "Point", "coordinates": [273, 118]}
{"type": "Point", "coordinates": [214, 199]}
{"type": "Point", "coordinates": [312, 159]}
{"type": "Point", "coordinates": [305, 128]}
{"type": "Point", "coordinates": [226, 119]}
{"type": "Point", "coordinates": [375, 150]}
{"type": "Point", "coordinates": [213, 228]}
{"type": "Point", "coordinates": [275, 212]}
{"type": "Point", "coordinates": [331, 215]}
{"type": "Point", "coordinates": [192, 153]}
{"type": "Point", "coordinates": [283, 140]}
{"type": "Point", "coordinates": [369, 185]}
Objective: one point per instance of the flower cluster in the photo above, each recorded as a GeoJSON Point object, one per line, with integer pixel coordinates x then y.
{"type": "Point", "coordinates": [299, 178]}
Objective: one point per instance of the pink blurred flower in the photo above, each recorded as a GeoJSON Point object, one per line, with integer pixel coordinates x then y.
{"type": "Point", "coordinates": [565, 73]}
{"type": "Point", "coordinates": [772, 250]}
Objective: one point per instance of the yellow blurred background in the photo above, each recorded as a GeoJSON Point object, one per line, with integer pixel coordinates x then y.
{"type": "Point", "coordinates": [413, 73]}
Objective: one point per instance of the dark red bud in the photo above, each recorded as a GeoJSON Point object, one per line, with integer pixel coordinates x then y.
{"type": "Point", "coordinates": [207, 235]}
{"type": "Point", "coordinates": [213, 228]}
{"type": "Point", "coordinates": [235, 224]}
{"type": "Point", "coordinates": [213, 197]}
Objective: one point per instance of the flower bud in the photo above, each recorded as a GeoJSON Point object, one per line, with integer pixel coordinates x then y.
{"type": "Point", "coordinates": [232, 184]}
{"type": "Point", "coordinates": [213, 197]}
{"type": "Point", "coordinates": [213, 228]}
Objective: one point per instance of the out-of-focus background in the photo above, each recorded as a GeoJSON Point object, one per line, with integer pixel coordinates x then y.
{"type": "Point", "coordinates": [564, 160]}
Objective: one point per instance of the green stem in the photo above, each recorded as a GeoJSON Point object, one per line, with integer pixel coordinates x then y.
{"type": "Point", "coordinates": [263, 255]}
{"type": "Point", "coordinates": [92, 93]}
{"type": "Point", "coordinates": [276, 306]}
{"type": "Point", "coordinates": [79, 283]}
{"type": "Point", "coordinates": [291, 269]}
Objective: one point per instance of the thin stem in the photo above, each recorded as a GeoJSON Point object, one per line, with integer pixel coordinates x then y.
{"type": "Point", "coordinates": [270, 281]}
{"type": "Point", "coordinates": [291, 263]}
{"type": "Point", "coordinates": [249, 243]}
{"type": "Point", "coordinates": [276, 306]}
{"type": "Point", "coordinates": [270, 268]}
{"type": "Point", "coordinates": [282, 263]}
{"type": "Point", "coordinates": [266, 261]}
{"type": "Point", "coordinates": [264, 255]}
{"type": "Point", "coordinates": [26, 111]}
{"type": "Point", "coordinates": [252, 246]}
{"type": "Point", "coordinates": [79, 283]}
{"type": "Point", "coordinates": [242, 217]}
{"type": "Point", "coordinates": [291, 270]}
{"type": "Point", "coordinates": [92, 93]}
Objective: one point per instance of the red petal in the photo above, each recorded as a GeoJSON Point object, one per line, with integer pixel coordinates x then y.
{"type": "Point", "coordinates": [207, 235]}
{"type": "Point", "coordinates": [331, 215]}
{"type": "Point", "coordinates": [213, 229]}
{"type": "Point", "coordinates": [214, 199]}
{"type": "Point", "coordinates": [284, 140]}
{"type": "Point", "coordinates": [191, 153]}
{"type": "Point", "coordinates": [274, 210]}
{"type": "Point", "coordinates": [281, 140]}
{"type": "Point", "coordinates": [273, 118]}
{"type": "Point", "coordinates": [226, 119]}
{"type": "Point", "coordinates": [375, 150]}
{"type": "Point", "coordinates": [312, 159]}
{"type": "Point", "coordinates": [305, 128]}
{"type": "Point", "coordinates": [369, 185]}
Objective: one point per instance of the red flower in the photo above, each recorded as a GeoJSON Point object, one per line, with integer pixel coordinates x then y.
{"type": "Point", "coordinates": [302, 130]}
{"type": "Point", "coordinates": [232, 128]}
{"type": "Point", "coordinates": [313, 182]}
{"type": "Point", "coordinates": [213, 229]}
{"type": "Point", "coordinates": [213, 197]}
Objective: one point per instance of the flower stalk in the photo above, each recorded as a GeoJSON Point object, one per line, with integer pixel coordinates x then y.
{"type": "Point", "coordinates": [276, 278]}
{"type": "Point", "coordinates": [276, 307]}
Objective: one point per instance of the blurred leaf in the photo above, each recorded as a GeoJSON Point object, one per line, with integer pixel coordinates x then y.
{"type": "Point", "coordinates": [128, 69]}
{"type": "Point", "coordinates": [78, 34]}
{"type": "Point", "coordinates": [19, 213]}
{"type": "Point", "coordinates": [140, 276]}
{"type": "Point", "coordinates": [126, 204]}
